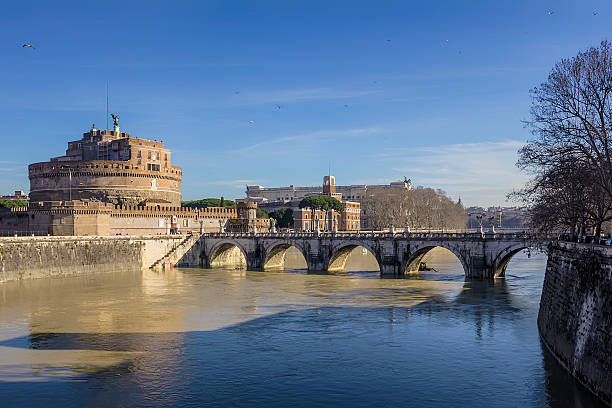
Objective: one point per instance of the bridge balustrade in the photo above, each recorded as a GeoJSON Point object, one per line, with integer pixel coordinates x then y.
{"type": "Point", "coordinates": [374, 235]}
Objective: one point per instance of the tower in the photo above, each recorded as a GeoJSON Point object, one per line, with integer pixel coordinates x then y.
{"type": "Point", "coordinates": [329, 185]}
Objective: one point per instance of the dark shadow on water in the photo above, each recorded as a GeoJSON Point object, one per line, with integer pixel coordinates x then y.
{"type": "Point", "coordinates": [326, 356]}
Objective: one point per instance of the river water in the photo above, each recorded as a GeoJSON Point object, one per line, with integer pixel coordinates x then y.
{"type": "Point", "coordinates": [223, 337]}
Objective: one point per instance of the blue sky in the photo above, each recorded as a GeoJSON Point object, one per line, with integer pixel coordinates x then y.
{"type": "Point", "coordinates": [440, 103]}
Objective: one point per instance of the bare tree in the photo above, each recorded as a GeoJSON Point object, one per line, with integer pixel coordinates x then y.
{"type": "Point", "coordinates": [423, 207]}
{"type": "Point", "coordinates": [571, 155]}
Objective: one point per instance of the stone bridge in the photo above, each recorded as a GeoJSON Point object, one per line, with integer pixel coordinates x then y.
{"type": "Point", "coordinates": [482, 255]}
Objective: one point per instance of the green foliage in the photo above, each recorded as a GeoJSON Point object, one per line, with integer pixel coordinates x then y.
{"type": "Point", "coordinates": [283, 217]}
{"type": "Point", "coordinates": [10, 203]}
{"type": "Point", "coordinates": [209, 202]}
{"type": "Point", "coordinates": [261, 213]}
{"type": "Point", "coordinates": [322, 202]}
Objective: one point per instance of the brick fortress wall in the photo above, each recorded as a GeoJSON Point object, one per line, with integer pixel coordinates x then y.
{"type": "Point", "coordinates": [107, 181]}
{"type": "Point", "coordinates": [82, 218]}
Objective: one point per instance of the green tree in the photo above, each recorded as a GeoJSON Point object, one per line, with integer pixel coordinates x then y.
{"type": "Point", "coordinates": [209, 202]}
{"type": "Point", "coordinates": [283, 217]}
{"type": "Point", "coordinates": [11, 203]}
{"type": "Point", "coordinates": [261, 213]}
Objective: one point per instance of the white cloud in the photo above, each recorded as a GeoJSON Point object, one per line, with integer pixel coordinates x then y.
{"type": "Point", "coordinates": [481, 173]}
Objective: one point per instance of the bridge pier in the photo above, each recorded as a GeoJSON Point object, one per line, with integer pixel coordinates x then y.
{"type": "Point", "coordinates": [390, 270]}
{"type": "Point", "coordinates": [479, 272]}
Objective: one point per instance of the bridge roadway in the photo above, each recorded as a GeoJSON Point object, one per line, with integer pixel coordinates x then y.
{"type": "Point", "coordinates": [482, 255]}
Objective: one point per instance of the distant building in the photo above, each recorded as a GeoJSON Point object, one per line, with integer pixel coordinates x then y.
{"type": "Point", "coordinates": [305, 219]}
{"type": "Point", "coordinates": [501, 217]}
{"type": "Point", "coordinates": [260, 194]}
{"type": "Point", "coordinates": [273, 198]}
{"type": "Point", "coordinates": [19, 195]}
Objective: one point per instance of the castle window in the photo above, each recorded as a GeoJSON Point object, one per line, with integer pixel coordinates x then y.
{"type": "Point", "coordinates": [165, 156]}
{"type": "Point", "coordinates": [139, 154]}
{"type": "Point", "coordinates": [149, 155]}
{"type": "Point", "coordinates": [139, 162]}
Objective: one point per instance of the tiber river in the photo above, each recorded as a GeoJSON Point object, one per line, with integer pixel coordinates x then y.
{"type": "Point", "coordinates": [220, 337]}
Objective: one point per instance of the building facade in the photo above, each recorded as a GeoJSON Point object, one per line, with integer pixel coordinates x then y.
{"type": "Point", "coordinates": [110, 167]}
{"type": "Point", "coordinates": [357, 193]}
{"type": "Point", "coordinates": [18, 195]}
{"type": "Point", "coordinates": [306, 219]}
{"type": "Point", "coordinates": [288, 197]}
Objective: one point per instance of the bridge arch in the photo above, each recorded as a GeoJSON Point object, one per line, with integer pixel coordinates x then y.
{"type": "Point", "coordinates": [275, 255]}
{"type": "Point", "coordinates": [340, 254]}
{"type": "Point", "coordinates": [227, 254]}
{"type": "Point", "coordinates": [415, 258]}
{"type": "Point", "coordinates": [504, 257]}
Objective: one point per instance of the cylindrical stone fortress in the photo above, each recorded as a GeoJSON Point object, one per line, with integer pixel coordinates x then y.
{"type": "Point", "coordinates": [109, 166]}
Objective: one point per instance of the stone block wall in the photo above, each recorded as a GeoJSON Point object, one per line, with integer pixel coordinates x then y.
{"type": "Point", "coordinates": [41, 257]}
{"type": "Point", "coordinates": [575, 318]}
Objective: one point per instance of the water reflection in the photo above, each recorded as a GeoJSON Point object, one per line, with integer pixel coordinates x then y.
{"type": "Point", "coordinates": [278, 338]}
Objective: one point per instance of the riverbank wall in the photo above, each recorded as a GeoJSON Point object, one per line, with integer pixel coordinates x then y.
{"type": "Point", "coordinates": [575, 317]}
{"type": "Point", "coordinates": [41, 257]}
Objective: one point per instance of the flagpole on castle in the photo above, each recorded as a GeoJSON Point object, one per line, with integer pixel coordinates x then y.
{"type": "Point", "coordinates": [70, 184]}
{"type": "Point", "coordinates": [106, 105]}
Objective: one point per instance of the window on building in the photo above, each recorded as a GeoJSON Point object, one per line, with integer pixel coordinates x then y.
{"type": "Point", "coordinates": [139, 155]}
{"type": "Point", "coordinates": [149, 155]}
{"type": "Point", "coordinates": [185, 223]}
{"type": "Point", "coordinates": [153, 167]}
{"type": "Point", "coordinates": [139, 162]}
{"type": "Point", "coordinates": [165, 156]}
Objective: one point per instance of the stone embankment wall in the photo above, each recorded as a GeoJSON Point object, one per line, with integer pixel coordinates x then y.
{"type": "Point", "coordinates": [575, 318]}
{"type": "Point", "coordinates": [40, 257]}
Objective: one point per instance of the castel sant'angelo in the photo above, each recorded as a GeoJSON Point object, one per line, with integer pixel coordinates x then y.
{"type": "Point", "coordinates": [111, 167]}
{"type": "Point", "coordinates": [110, 183]}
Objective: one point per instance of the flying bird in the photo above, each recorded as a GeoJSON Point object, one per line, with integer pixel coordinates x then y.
{"type": "Point", "coordinates": [346, 106]}
{"type": "Point", "coordinates": [236, 92]}
{"type": "Point", "coordinates": [595, 13]}
{"type": "Point", "coordinates": [388, 41]}
{"type": "Point", "coordinates": [28, 45]}
{"type": "Point", "coordinates": [278, 107]}
{"type": "Point", "coordinates": [550, 12]}
{"type": "Point", "coordinates": [251, 122]}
